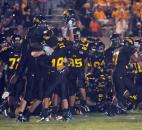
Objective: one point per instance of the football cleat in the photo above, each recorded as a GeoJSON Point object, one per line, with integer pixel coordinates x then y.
{"type": "Point", "coordinates": [67, 116]}
{"type": "Point", "coordinates": [59, 117]}
{"type": "Point", "coordinates": [21, 118]}
{"type": "Point", "coordinates": [85, 108]}
{"type": "Point", "coordinates": [43, 119]}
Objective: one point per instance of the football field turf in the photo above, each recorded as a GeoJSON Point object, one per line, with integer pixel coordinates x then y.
{"type": "Point", "coordinates": [132, 121]}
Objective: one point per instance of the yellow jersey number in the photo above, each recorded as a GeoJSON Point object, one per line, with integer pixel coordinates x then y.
{"type": "Point", "coordinates": [58, 62]}
{"type": "Point", "coordinates": [76, 62]}
{"type": "Point", "coordinates": [13, 63]}
{"type": "Point", "coordinates": [99, 63]}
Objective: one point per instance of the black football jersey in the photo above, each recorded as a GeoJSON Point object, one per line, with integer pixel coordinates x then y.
{"type": "Point", "coordinates": [98, 62]}
{"type": "Point", "coordinates": [11, 58]}
{"type": "Point", "coordinates": [124, 56]}
{"type": "Point", "coordinates": [29, 64]}
{"type": "Point", "coordinates": [76, 59]}
{"type": "Point", "coordinates": [58, 56]}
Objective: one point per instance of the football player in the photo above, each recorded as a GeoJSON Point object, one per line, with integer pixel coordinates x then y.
{"type": "Point", "coordinates": [57, 77]}
{"type": "Point", "coordinates": [120, 81]}
{"type": "Point", "coordinates": [77, 58]}
{"type": "Point", "coordinates": [11, 57]}
{"type": "Point", "coordinates": [138, 72]}
{"type": "Point", "coordinates": [35, 72]}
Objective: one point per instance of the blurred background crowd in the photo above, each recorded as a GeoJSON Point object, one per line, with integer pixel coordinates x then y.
{"type": "Point", "coordinates": [102, 17]}
{"type": "Point", "coordinates": [119, 16]}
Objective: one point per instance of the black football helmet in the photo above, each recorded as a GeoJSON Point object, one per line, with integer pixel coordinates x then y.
{"type": "Point", "coordinates": [58, 34]}
{"type": "Point", "coordinates": [128, 41]}
{"type": "Point", "coordinates": [16, 41]}
{"type": "Point", "coordinates": [101, 82]}
{"type": "Point", "coordinates": [77, 34]}
{"type": "Point", "coordinates": [92, 49]}
{"type": "Point", "coordinates": [138, 44]}
{"type": "Point", "coordinates": [47, 34]}
{"type": "Point", "coordinates": [90, 80]}
{"type": "Point", "coordinates": [83, 43]}
{"type": "Point", "coordinates": [96, 47]}
{"type": "Point", "coordinates": [115, 40]}
{"type": "Point", "coordinates": [36, 38]}
{"type": "Point", "coordinates": [69, 14]}
{"type": "Point", "coordinates": [4, 43]}
{"type": "Point", "coordinates": [37, 20]}
{"type": "Point", "coordinates": [92, 40]}
{"type": "Point", "coordinates": [100, 48]}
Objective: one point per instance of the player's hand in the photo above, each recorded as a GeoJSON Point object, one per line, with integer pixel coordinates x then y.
{"type": "Point", "coordinates": [37, 53]}
{"type": "Point", "coordinates": [70, 25]}
{"type": "Point", "coordinates": [48, 50]}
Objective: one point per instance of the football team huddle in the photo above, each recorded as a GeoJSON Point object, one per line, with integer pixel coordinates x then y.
{"type": "Point", "coordinates": [58, 74]}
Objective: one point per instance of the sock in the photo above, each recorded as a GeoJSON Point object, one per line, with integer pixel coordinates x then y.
{"type": "Point", "coordinates": [20, 113]}
{"type": "Point", "coordinates": [28, 114]}
{"type": "Point", "coordinates": [55, 110]}
{"type": "Point", "coordinates": [72, 109]}
{"type": "Point", "coordinates": [46, 113]}
{"type": "Point", "coordinates": [65, 111]}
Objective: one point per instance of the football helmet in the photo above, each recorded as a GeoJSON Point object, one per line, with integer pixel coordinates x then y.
{"type": "Point", "coordinates": [37, 20]}
{"type": "Point", "coordinates": [90, 79]}
{"type": "Point", "coordinates": [16, 40]}
{"type": "Point", "coordinates": [69, 14]}
{"type": "Point", "coordinates": [138, 43]}
{"type": "Point", "coordinates": [100, 46]}
{"type": "Point", "coordinates": [115, 40]}
{"type": "Point", "coordinates": [128, 41]}
{"type": "Point", "coordinates": [46, 34]}
{"type": "Point", "coordinates": [91, 49]}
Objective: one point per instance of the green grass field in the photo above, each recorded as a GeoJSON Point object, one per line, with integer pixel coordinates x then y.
{"type": "Point", "coordinates": [132, 121]}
